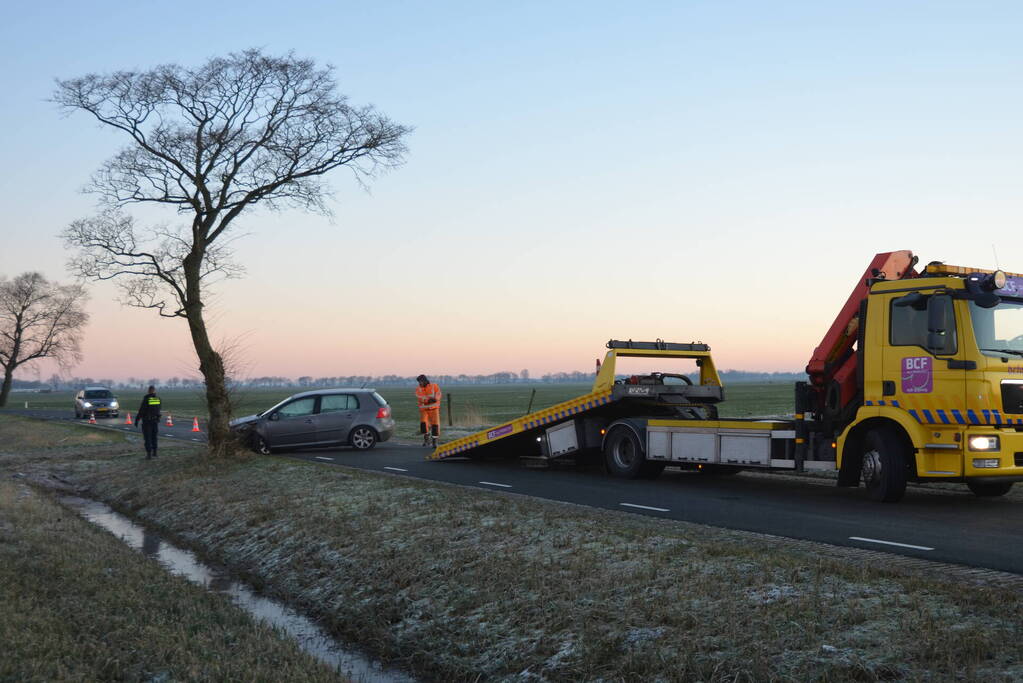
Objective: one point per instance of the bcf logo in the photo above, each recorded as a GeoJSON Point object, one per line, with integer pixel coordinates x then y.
{"type": "Point", "coordinates": [917, 375]}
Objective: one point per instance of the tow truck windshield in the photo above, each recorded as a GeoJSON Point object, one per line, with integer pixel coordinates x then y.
{"type": "Point", "coordinates": [999, 330]}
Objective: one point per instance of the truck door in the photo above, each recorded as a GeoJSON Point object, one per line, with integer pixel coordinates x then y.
{"type": "Point", "coordinates": [922, 373]}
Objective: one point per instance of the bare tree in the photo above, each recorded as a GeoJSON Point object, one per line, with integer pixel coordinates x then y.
{"type": "Point", "coordinates": [38, 319]}
{"type": "Point", "coordinates": [244, 130]}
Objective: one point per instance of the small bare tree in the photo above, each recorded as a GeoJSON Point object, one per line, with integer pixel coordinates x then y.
{"type": "Point", "coordinates": [38, 319]}
{"type": "Point", "coordinates": [244, 130]}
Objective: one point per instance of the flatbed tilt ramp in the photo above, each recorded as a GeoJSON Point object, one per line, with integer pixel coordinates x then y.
{"type": "Point", "coordinates": [608, 399]}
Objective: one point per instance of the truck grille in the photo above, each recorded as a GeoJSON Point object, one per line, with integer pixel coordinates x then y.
{"type": "Point", "coordinates": [1012, 398]}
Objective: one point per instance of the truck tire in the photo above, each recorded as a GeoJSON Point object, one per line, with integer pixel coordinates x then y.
{"type": "Point", "coordinates": [884, 465]}
{"type": "Point", "coordinates": [989, 489]}
{"type": "Point", "coordinates": [623, 454]}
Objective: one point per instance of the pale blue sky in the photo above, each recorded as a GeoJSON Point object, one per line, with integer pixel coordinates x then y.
{"type": "Point", "coordinates": [578, 171]}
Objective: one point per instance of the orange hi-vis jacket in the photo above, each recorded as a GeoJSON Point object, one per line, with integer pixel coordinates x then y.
{"type": "Point", "coordinates": [424, 394]}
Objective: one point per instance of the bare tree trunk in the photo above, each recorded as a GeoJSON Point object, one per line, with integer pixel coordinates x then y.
{"type": "Point", "coordinates": [212, 367]}
{"type": "Point", "coordinates": [5, 391]}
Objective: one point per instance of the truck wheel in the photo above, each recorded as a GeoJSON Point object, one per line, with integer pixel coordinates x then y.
{"type": "Point", "coordinates": [623, 454]}
{"type": "Point", "coordinates": [884, 465]}
{"type": "Point", "coordinates": [989, 489]}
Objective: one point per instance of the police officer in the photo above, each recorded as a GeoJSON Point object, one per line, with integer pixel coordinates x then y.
{"type": "Point", "coordinates": [148, 419]}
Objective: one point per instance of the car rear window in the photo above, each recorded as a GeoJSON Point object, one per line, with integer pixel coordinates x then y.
{"type": "Point", "coordinates": [332, 403]}
{"type": "Point", "coordinates": [98, 393]}
{"type": "Point", "coordinates": [379, 399]}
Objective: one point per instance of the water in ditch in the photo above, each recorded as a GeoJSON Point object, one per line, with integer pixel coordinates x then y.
{"type": "Point", "coordinates": [310, 637]}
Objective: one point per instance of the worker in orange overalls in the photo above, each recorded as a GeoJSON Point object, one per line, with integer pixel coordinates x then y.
{"type": "Point", "coordinates": [428, 400]}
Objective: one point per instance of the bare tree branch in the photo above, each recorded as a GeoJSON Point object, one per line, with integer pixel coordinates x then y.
{"type": "Point", "coordinates": [211, 142]}
{"type": "Point", "coordinates": [38, 319]}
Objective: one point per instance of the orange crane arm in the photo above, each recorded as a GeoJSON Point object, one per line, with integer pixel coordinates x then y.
{"type": "Point", "coordinates": [833, 364]}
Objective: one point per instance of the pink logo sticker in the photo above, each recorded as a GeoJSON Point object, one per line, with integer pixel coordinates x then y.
{"type": "Point", "coordinates": [917, 375]}
{"type": "Point", "coordinates": [500, 431]}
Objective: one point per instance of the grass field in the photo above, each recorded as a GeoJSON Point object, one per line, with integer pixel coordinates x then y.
{"type": "Point", "coordinates": [451, 584]}
{"type": "Point", "coordinates": [76, 604]}
{"type": "Point", "coordinates": [472, 406]}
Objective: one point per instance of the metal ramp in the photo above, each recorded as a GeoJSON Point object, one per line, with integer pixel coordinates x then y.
{"type": "Point", "coordinates": [604, 393]}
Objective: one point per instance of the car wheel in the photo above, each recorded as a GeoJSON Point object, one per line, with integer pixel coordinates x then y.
{"type": "Point", "coordinates": [989, 489]}
{"type": "Point", "coordinates": [884, 465]}
{"type": "Point", "coordinates": [260, 445]}
{"type": "Point", "coordinates": [363, 438]}
{"type": "Point", "coordinates": [623, 454]}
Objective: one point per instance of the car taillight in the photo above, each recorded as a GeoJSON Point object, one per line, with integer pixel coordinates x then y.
{"type": "Point", "coordinates": [385, 411]}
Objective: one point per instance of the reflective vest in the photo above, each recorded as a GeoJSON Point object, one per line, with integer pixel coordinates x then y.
{"type": "Point", "coordinates": [424, 394]}
{"type": "Point", "coordinates": [150, 408]}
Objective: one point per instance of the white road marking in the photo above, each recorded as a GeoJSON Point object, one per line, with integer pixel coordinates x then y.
{"type": "Point", "coordinates": [644, 507]}
{"type": "Point", "coordinates": [396, 469]}
{"type": "Point", "coordinates": [494, 483]}
{"type": "Point", "coordinates": [901, 545]}
{"type": "Point", "coordinates": [320, 457]}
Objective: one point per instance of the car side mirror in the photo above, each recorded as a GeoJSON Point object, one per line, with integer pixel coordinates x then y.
{"type": "Point", "coordinates": [274, 417]}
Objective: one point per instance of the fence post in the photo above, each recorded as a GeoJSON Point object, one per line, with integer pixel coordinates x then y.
{"type": "Point", "coordinates": [531, 397]}
{"type": "Point", "coordinates": [450, 421]}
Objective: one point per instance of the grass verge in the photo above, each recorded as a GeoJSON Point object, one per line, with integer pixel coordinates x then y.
{"type": "Point", "coordinates": [453, 584]}
{"type": "Point", "coordinates": [77, 604]}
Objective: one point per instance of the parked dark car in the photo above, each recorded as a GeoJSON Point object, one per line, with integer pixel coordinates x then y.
{"type": "Point", "coordinates": [327, 417]}
{"type": "Point", "coordinates": [98, 401]}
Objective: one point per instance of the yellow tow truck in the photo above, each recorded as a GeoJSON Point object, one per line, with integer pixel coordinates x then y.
{"type": "Point", "coordinates": [919, 378]}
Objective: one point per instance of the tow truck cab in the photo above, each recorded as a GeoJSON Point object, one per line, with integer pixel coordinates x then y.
{"type": "Point", "coordinates": [942, 380]}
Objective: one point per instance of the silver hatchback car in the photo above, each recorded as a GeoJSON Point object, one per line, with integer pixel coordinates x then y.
{"type": "Point", "coordinates": [327, 417]}
{"type": "Point", "coordinates": [98, 401]}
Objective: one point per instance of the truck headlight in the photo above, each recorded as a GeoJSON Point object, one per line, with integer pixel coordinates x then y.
{"type": "Point", "coordinates": [87, 405]}
{"type": "Point", "coordinates": [113, 404]}
{"type": "Point", "coordinates": [984, 443]}
{"type": "Point", "coordinates": [986, 462]}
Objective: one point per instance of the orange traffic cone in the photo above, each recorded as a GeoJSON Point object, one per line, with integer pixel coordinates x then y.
{"type": "Point", "coordinates": [127, 418]}
{"type": "Point", "coordinates": [170, 423]}
{"type": "Point", "coordinates": [195, 425]}
{"type": "Point", "coordinates": [92, 418]}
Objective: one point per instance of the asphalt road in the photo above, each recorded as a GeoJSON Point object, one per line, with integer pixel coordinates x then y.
{"type": "Point", "coordinates": [947, 526]}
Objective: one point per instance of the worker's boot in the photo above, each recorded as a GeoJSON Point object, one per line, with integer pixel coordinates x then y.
{"type": "Point", "coordinates": [426, 439]}
{"type": "Point", "coordinates": [434, 439]}
{"type": "Point", "coordinates": [149, 455]}
{"type": "Point", "coordinates": [434, 433]}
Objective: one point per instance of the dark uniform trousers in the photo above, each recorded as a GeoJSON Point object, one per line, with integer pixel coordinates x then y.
{"type": "Point", "coordinates": [149, 420]}
{"type": "Point", "coordinates": [150, 429]}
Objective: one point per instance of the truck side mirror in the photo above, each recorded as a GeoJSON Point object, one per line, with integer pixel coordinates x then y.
{"type": "Point", "coordinates": [937, 311]}
{"type": "Point", "coordinates": [914, 299]}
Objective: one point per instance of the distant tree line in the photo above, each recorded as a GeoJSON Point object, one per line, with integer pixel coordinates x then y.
{"type": "Point", "coordinates": [57, 383]}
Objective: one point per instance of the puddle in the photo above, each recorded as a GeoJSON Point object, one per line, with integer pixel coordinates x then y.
{"type": "Point", "coordinates": [310, 637]}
